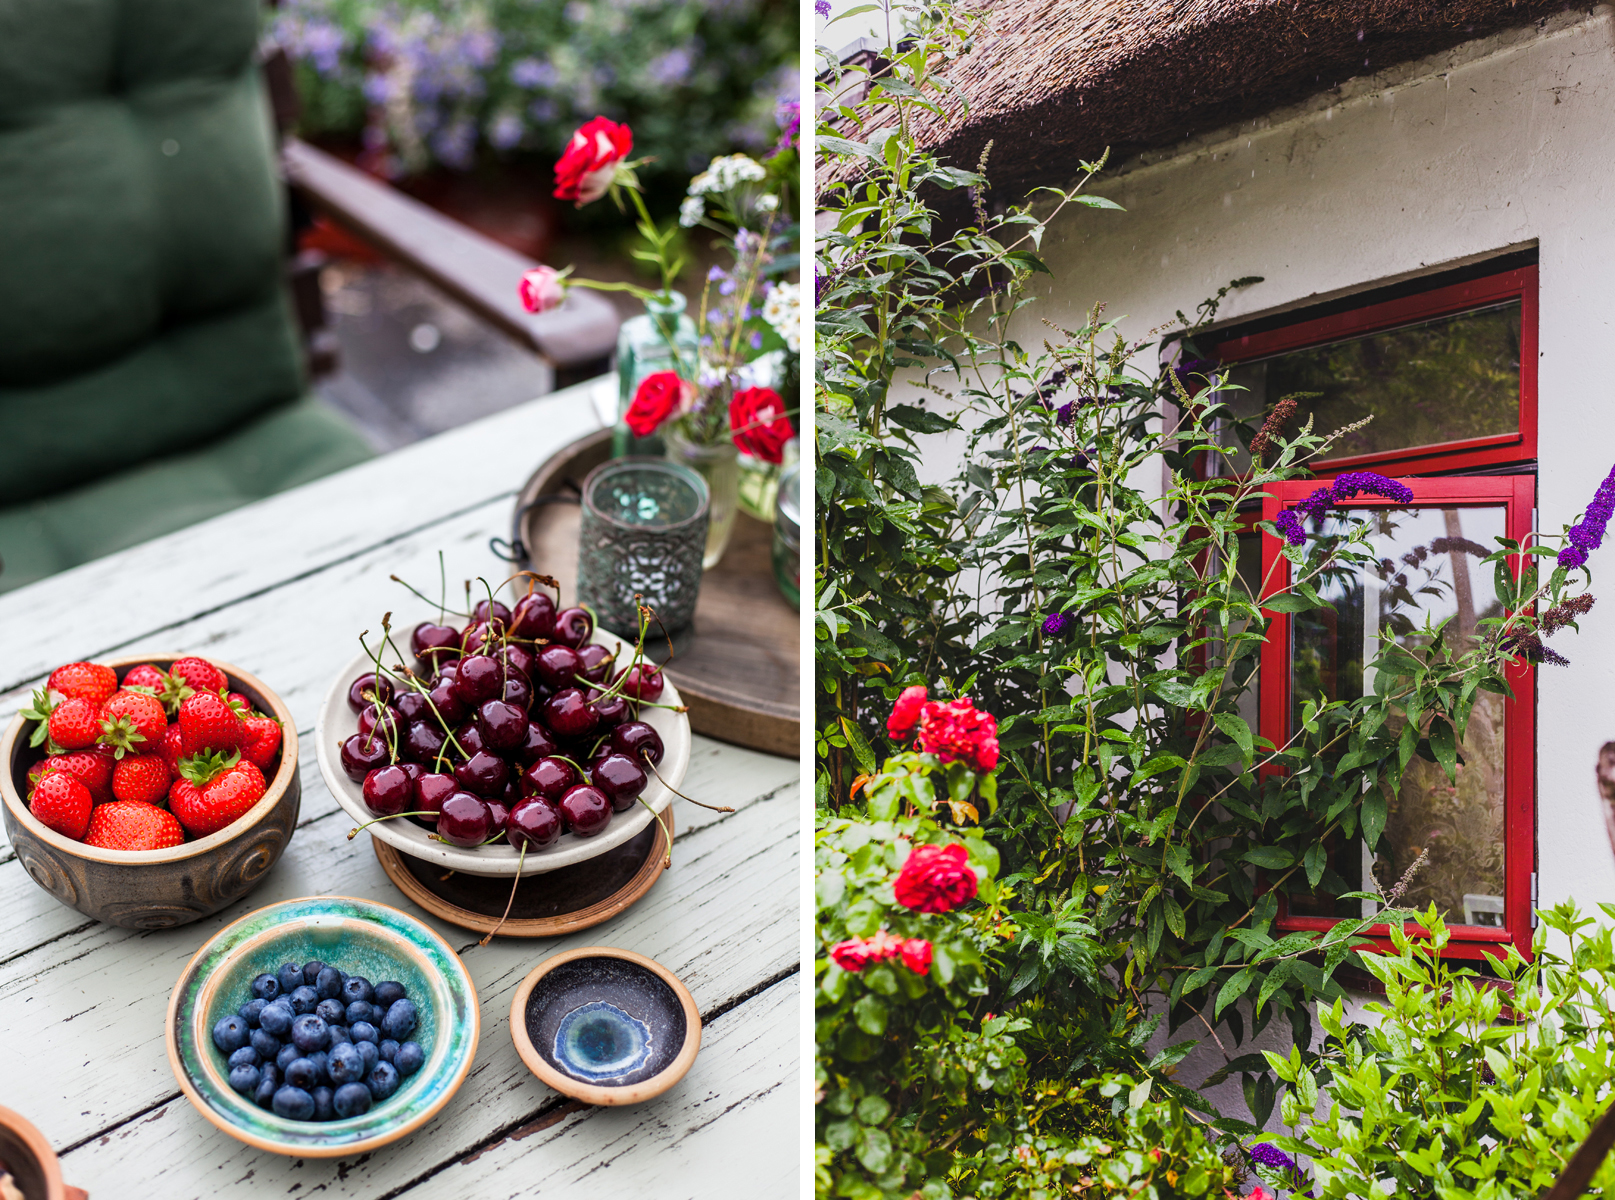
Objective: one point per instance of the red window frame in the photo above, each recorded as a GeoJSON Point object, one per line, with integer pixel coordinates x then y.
{"type": "Point", "coordinates": [1519, 283]}
{"type": "Point", "coordinates": [1518, 494]}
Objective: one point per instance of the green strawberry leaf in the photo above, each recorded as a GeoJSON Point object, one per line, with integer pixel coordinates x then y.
{"type": "Point", "coordinates": [203, 768]}
{"type": "Point", "coordinates": [39, 710]}
{"type": "Point", "coordinates": [121, 734]}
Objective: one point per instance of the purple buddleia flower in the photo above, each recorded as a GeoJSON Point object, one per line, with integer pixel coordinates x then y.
{"type": "Point", "coordinates": [1265, 1154]}
{"type": "Point", "coordinates": [1066, 412]}
{"type": "Point", "coordinates": [788, 116]}
{"type": "Point", "coordinates": [1288, 524]}
{"type": "Point", "coordinates": [1055, 624]}
{"type": "Point", "coordinates": [533, 73]}
{"type": "Point", "coordinates": [1587, 534]}
{"type": "Point", "coordinates": [822, 7]}
{"type": "Point", "coordinates": [1316, 506]}
{"type": "Point", "coordinates": [1531, 648]}
{"type": "Point", "coordinates": [1348, 485]}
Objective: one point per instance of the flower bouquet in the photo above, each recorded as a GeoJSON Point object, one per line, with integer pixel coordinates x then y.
{"type": "Point", "coordinates": [709, 386]}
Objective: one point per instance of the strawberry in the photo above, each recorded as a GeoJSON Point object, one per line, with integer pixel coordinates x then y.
{"type": "Point", "coordinates": [84, 681]}
{"type": "Point", "coordinates": [219, 789]}
{"type": "Point", "coordinates": [241, 704]}
{"type": "Point", "coordinates": [62, 803]}
{"type": "Point", "coordinates": [201, 675]}
{"type": "Point", "coordinates": [146, 677]}
{"type": "Point", "coordinates": [262, 742]}
{"type": "Point", "coordinates": [133, 723]}
{"type": "Point", "coordinates": [207, 722]}
{"type": "Point", "coordinates": [39, 709]}
{"type": "Point", "coordinates": [133, 825]}
{"type": "Point", "coordinates": [140, 777]}
{"type": "Point", "coordinates": [75, 723]}
{"type": "Point", "coordinates": [92, 768]}
{"type": "Point", "coordinates": [173, 747]}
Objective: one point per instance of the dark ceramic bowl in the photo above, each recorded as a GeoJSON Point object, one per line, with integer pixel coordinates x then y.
{"type": "Point", "coordinates": [605, 1026]}
{"type": "Point", "coordinates": [157, 889]}
{"type": "Point", "coordinates": [31, 1161]}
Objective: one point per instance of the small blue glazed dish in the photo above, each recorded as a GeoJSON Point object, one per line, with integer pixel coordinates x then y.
{"type": "Point", "coordinates": [361, 938]}
{"type": "Point", "coordinates": [605, 1026]}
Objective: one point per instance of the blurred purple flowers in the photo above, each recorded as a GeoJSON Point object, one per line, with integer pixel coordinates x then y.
{"type": "Point", "coordinates": [788, 116]}
{"type": "Point", "coordinates": [1587, 534]}
{"type": "Point", "coordinates": [1348, 486]}
{"type": "Point", "coordinates": [1056, 624]}
{"type": "Point", "coordinates": [822, 7]}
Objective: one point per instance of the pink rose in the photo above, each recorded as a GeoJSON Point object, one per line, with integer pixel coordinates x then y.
{"type": "Point", "coordinates": [916, 954]}
{"type": "Point", "coordinates": [905, 713]}
{"type": "Point", "coordinates": [935, 879]}
{"type": "Point", "coordinates": [589, 163]}
{"type": "Point", "coordinates": [541, 289]}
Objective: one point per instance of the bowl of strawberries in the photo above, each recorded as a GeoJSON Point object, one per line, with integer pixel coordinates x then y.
{"type": "Point", "coordinates": [150, 792]}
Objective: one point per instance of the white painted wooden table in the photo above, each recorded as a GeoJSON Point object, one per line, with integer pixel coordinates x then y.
{"type": "Point", "coordinates": [282, 588]}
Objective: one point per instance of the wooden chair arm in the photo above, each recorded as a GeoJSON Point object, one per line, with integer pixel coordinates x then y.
{"type": "Point", "coordinates": [476, 270]}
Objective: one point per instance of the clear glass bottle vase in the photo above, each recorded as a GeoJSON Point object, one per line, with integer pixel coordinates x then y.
{"type": "Point", "coordinates": [719, 465]}
{"type": "Point", "coordinates": [645, 345]}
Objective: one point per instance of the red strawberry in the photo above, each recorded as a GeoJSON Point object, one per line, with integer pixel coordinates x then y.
{"type": "Point", "coordinates": [241, 704]}
{"type": "Point", "coordinates": [85, 681]}
{"type": "Point", "coordinates": [92, 768]}
{"type": "Point", "coordinates": [133, 825]}
{"type": "Point", "coordinates": [140, 777]}
{"type": "Point", "coordinates": [207, 722]}
{"type": "Point", "coordinates": [133, 723]}
{"type": "Point", "coordinates": [219, 790]}
{"type": "Point", "coordinates": [75, 723]}
{"type": "Point", "coordinates": [185, 801]}
{"type": "Point", "coordinates": [262, 742]}
{"type": "Point", "coordinates": [173, 747]}
{"type": "Point", "coordinates": [62, 803]}
{"type": "Point", "coordinates": [146, 676]}
{"type": "Point", "coordinates": [200, 674]}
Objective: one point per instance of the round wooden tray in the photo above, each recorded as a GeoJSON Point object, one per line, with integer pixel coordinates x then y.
{"type": "Point", "coordinates": [739, 672]}
{"type": "Point", "coordinates": [547, 905]}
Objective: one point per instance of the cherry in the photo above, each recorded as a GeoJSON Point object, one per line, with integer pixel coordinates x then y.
{"type": "Point", "coordinates": [470, 738]}
{"type": "Point", "coordinates": [503, 725]}
{"type": "Point", "coordinates": [534, 617]}
{"type": "Point", "coordinates": [434, 644]}
{"type": "Point", "coordinates": [361, 755]}
{"type": "Point", "coordinates": [585, 810]}
{"type": "Point", "coordinates": [479, 634]}
{"type": "Point", "coordinates": [412, 706]}
{"type": "Point", "coordinates": [498, 814]}
{"type": "Point", "coordinates": [568, 713]}
{"type": "Point", "coordinates": [483, 773]}
{"type": "Point", "coordinates": [537, 744]}
{"type": "Point", "coordinates": [518, 660]}
{"type": "Point", "coordinates": [447, 671]}
{"type": "Point", "coordinates": [620, 778]}
{"type": "Point", "coordinates": [638, 741]}
{"type": "Point", "coordinates": [431, 789]}
{"type": "Point", "coordinates": [449, 706]}
{"type": "Point", "coordinates": [641, 681]}
{"type": "Point", "coordinates": [388, 791]}
{"type": "Point", "coordinates": [550, 779]}
{"type": "Point", "coordinates": [464, 820]}
{"type": "Point", "coordinates": [533, 823]}
{"type": "Point", "coordinates": [479, 678]}
{"type": "Point", "coordinates": [414, 770]}
{"type": "Point", "coordinates": [558, 666]}
{"type": "Point", "coordinates": [613, 710]}
{"type": "Point", "coordinates": [389, 719]}
{"type": "Point", "coordinates": [573, 626]}
{"type": "Point", "coordinates": [596, 662]}
{"type": "Point", "coordinates": [364, 691]}
{"type": "Point", "coordinates": [512, 795]}
{"type": "Point", "coordinates": [498, 612]}
{"type": "Point", "coordinates": [518, 692]}
{"type": "Point", "coordinates": [423, 742]}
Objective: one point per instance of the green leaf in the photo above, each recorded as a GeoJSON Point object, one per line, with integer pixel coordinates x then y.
{"type": "Point", "coordinates": [1273, 858]}
{"type": "Point", "coordinates": [1233, 989]}
{"type": "Point", "coordinates": [874, 1150]}
{"type": "Point", "coordinates": [870, 1012]}
{"type": "Point", "coordinates": [859, 747]}
{"type": "Point", "coordinates": [1315, 860]}
{"type": "Point", "coordinates": [1372, 816]}
{"type": "Point", "coordinates": [1290, 602]}
{"type": "Point", "coordinates": [1443, 744]}
{"type": "Point", "coordinates": [917, 419]}
{"type": "Point", "coordinates": [1234, 726]}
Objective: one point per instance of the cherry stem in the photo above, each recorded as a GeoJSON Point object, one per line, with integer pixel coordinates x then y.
{"type": "Point", "coordinates": [714, 807]}
{"type": "Point", "coordinates": [388, 736]}
{"type": "Point", "coordinates": [356, 830]}
{"type": "Point", "coordinates": [667, 858]}
{"type": "Point", "coordinates": [408, 677]}
{"type": "Point", "coordinates": [514, 883]}
{"type": "Point", "coordinates": [441, 606]}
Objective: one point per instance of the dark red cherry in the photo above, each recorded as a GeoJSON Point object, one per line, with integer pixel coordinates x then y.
{"type": "Point", "coordinates": [493, 609]}
{"type": "Point", "coordinates": [612, 710]}
{"type": "Point", "coordinates": [470, 739]}
{"type": "Point", "coordinates": [449, 706]}
{"type": "Point", "coordinates": [558, 666]}
{"type": "Point", "coordinates": [518, 692]}
{"type": "Point", "coordinates": [513, 795]}
{"type": "Point", "coordinates": [483, 773]}
{"type": "Point", "coordinates": [432, 645]}
{"type": "Point", "coordinates": [573, 626]}
{"type": "Point", "coordinates": [550, 778]}
{"type": "Point", "coordinates": [637, 740]}
{"type": "Point", "coordinates": [641, 681]}
{"type": "Point", "coordinates": [447, 672]}
{"type": "Point", "coordinates": [480, 634]}
{"type": "Point", "coordinates": [431, 789]}
{"type": "Point", "coordinates": [620, 778]}
{"type": "Point", "coordinates": [464, 820]}
{"type": "Point", "coordinates": [533, 823]}
{"type": "Point", "coordinates": [534, 617]}
{"type": "Point", "coordinates": [414, 770]}
{"type": "Point", "coordinates": [536, 745]}
{"type": "Point", "coordinates": [596, 662]}
{"type": "Point", "coordinates": [423, 741]}
{"type": "Point", "coordinates": [479, 678]}
{"type": "Point", "coordinates": [413, 706]}
{"type": "Point", "coordinates": [388, 718]}
{"type": "Point", "coordinates": [518, 660]}
{"type": "Point", "coordinates": [498, 814]}
{"type": "Point", "coordinates": [363, 691]}
{"type": "Point", "coordinates": [585, 810]}
{"type": "Point", "coordinates": [361, 755]}
{"type": "Point", "coordinates": [388, 791]}
{"type": "Point", "coordinates": [568, 713]}
{"type": "Point", "coordinates": [503, 725]}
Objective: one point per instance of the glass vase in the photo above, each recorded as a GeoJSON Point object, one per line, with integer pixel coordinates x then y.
{"type": "Point", "coordinates": [759, 482]}
{"type": "Point", "coordinates": [718, 463]}
{"type": "Point", "coordinates": [645, 345]}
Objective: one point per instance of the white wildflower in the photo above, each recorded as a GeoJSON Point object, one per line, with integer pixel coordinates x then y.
{"type": "Point", "coordinates": [727, 173]}
{"type": "Point", "coordinates": [691, 211]}
{"type": "Point", "coordinates": [782, 311]}
{"type": "Point", "coordinates": [767, 202]}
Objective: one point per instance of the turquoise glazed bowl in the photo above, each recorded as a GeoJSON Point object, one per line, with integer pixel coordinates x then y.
{"type": "Point", "coordinates": [359, 937]}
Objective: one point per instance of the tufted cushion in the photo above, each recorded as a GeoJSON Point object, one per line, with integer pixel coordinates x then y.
{"type": "Point", "coordinates": [142, 309]}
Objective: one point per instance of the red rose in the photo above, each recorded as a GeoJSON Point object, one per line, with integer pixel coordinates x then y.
{"type": "Point", "coordinates": [757, 416]}
{"type": "Point", "coordinates": [588, 166]}
{"type": "Point", "coordinates": [957, 731]}
{"type": "Point", "coordinates": [657, 399]}
{"type": "Point", "coordinates": [850, 956]}
{"type": "Point", "coordinates": [905, 713]}
{"type": "Point", "coordinates": [916, 953]}
{"type": "Point", "coordinates": [935, 879]}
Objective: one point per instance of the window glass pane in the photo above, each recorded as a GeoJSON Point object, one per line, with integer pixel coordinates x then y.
{"type": "Point", "coordinates": [1446, 380]}
{"type": "Point", "coordinates": [1428, 566]}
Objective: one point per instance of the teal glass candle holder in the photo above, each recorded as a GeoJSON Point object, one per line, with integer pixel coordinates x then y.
{"type": "Point", "coordinates": [643, 537]}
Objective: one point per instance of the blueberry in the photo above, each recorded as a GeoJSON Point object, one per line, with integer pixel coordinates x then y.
{"type": "Point", "coordinates": [388, 1049]}
{"type": "Point", "coordinates": [351, 1100]}
{"type": "Point", "coordinates": [277, 1018]}
{"type": "Point", "coordinates": [369, 1053]}
{"type": "Point", "coordinates": [357, 987]}
{"type": "Point", "coordinates": [331, 1012]}
{"type": "Point", "coordinates": [288, 1055]}
{"type": "Point", "coordinates": [328, 983]}
{"type": "Point", "coordinates": [363, 1031]}
{"type": "Point", "coordinates": [303, 1073]}
{"type": "Point", "coordinates": [361, 1010]}
{"type": "Point", "coordinates": [266, 1044]}
{"type": "Point", "coordinates": [321, 1062]}
{"type": "Point", "coordinates": [294, 1104]}
{"type": "Point", "coordinates": [231, 1033]}
{"type": "Point", "coordinates": [387, 992]}
{"type": "Point", "coordinates": [268, 1081]}
{"type": "Point", "coordinates": [410, 1057]}
{"type": "Point", "coordinates": [265, 987]}
{"type": "Point", "coordinates": [250, 1010]}
{"type": "Point", "coordinates": [323, 1110]}
{"type": "Point", "coordinates": [400, 1020]}
{"type": "Point", "coordinates": [245, 1078]}
{"type": "Point", "coordinates": [304, 998]}
{"type": "Point", "coordinates": [345, 1064]}
{"type": "Point", "coordinates": [340, 1035]}
{"type": "Point", "coordinates": [311, 971]}
{"type": "Point", "coordinates": [310, 1033]}
{"type": "Point", "coordinates": [244, 1057]}
{"type": "Point", "coordinates": [382, 1080]}
{"type": "Point", "coordinates": [289, 976]}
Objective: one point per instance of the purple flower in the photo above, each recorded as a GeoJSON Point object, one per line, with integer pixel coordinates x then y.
{"type": "Point", "coordinates": [670, 69]}
{"type": "Point", "coordinates": [506, 131]}
{"type": "Point", "coordinates": [1352, 482]}
{"type": "Point", "coordinates": [1588, 534]}
{"type": "Point", "coordinates": [1288, 524]}
{"type": "Point", "coordinates": [1194, 373]}
{"type": "Point", "coordinates": [1055, 624]}
{"type": "Point", "coordinates": [533, 73]}
{"type": "Point", "coordinates": [822, 7]}
{"type": "Point", "coordinates": [757, 340]}
{"type": "Point", "coordinates": [1066, 412]}
{"type": "Point", "coordinates": [1317, 505]}
{"type": "Point", "coordinates": [1531, 648]}
{"type": "Point", "coordinates": [1268, 1155]}
{"type": "Point", "coordinates": [788, 116]}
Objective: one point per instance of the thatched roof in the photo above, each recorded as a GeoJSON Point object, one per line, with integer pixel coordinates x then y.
{"type": "Point", "coordinates": [1056, 81]}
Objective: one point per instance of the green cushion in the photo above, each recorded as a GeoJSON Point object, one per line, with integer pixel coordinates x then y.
{"type": "Point", "coordinates": [289, 446]}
